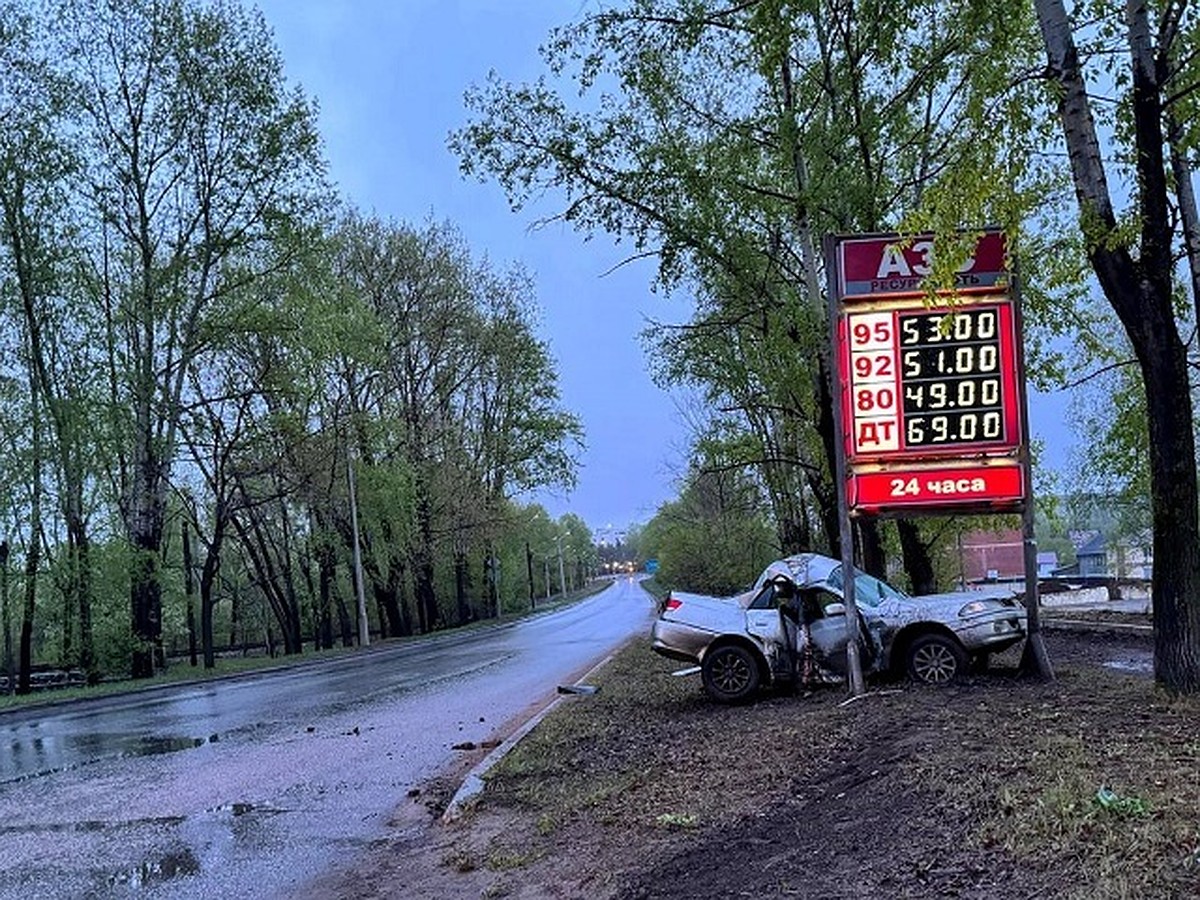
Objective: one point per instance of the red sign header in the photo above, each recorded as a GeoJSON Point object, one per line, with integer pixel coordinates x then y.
{"type": "Point", "coordinates": [871, 267]}
{"type": "Point", "coordinates": [995, 488]}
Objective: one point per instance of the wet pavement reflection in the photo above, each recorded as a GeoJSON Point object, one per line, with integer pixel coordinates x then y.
{"type": "Point", "coordinates": [32, 756]}
{"type": "Point", "coordinates": [256, 786]}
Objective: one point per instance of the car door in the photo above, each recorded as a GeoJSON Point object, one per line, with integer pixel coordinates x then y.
{"type": "Point", "coordinates": [764, 623]}
{"type": "Point", "coordinates": [825, 615]}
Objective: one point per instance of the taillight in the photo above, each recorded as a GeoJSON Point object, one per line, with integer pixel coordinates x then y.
{"type": "Point", "coordinates": [672, 604]}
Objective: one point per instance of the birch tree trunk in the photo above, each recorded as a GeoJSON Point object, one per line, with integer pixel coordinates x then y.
{"type": "Point", "coordinates": [1137, 281]}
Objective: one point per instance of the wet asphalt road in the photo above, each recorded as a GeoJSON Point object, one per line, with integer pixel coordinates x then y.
{"type": "Point", "coordinates": [253, 787]}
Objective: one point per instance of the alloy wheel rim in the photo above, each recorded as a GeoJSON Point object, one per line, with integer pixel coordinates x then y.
{"type": "Point", "coordinates": [935, 664]}
{"type": "Point", "coordinates": [730, 673]}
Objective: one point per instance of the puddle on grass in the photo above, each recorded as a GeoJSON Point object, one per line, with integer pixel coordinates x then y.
{"type": "Point", "coordinates": [1139, 665]}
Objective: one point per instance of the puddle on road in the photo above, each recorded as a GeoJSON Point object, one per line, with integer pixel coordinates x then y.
{"type": "Point", "coordinates": [203, 832]}
{"type": "Point", "coordinates": [91, 825]}
{"type": "Point", "coordinates": [171, 865]}
{"type": "Point", "coordinates": [136, 744]}
{"type": "Point", "coordinates": [241, 809]}
{"type": "Point", "coordinates": [34, 757]}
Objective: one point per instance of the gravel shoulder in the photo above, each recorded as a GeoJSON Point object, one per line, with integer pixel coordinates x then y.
{"type": "Point", "coordinates": [996, 787]}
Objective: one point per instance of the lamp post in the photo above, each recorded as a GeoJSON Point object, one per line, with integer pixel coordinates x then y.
{"type": "Point", "coordinates": [562, 577]}
{"type": "Point", "coordinates": [364, 627]}
{"type": "Point", "coordinates": [364, 624]}
{"type": "Point", "coordinates": [529, 568]}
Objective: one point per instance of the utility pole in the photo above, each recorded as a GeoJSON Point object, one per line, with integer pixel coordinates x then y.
{"type": "Point", "coordinates": [562, 576]}
{"type": "Point", "coordinates": [364, 627]}
{"type": "Point", "coordinates": [529, 567]}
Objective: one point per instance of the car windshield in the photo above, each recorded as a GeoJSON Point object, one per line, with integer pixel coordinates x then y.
{"type": "Point", "coordinates": [868, 591]}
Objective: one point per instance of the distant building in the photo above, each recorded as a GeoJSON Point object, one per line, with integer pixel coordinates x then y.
{"type": "Point", "coordinates": [1092, 557]}
{"type": "Point", "coordinates": [991, 556]}
{"type": "Point", "coordinates": [608, 536]}
{"type": "Point", "coordinates": [1098, 557]}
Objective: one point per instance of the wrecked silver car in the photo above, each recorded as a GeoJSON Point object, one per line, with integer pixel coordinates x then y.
{"type": "Point", "coordinates": [791, 626]}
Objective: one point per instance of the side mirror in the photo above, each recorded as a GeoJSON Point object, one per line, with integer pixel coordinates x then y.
{"type": "Point", "coordinates": [835, 609]}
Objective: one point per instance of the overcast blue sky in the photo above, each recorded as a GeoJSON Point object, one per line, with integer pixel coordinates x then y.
{"type": "Point", "coordinates": [389, 76]}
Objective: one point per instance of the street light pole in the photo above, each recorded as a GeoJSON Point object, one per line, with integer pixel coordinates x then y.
{"type": "Point", "coordinates": [562, 577]}
{"type": "Point", "coordinates": [364, 627]}
{"type": "Point", "coordinates": [529, 568]}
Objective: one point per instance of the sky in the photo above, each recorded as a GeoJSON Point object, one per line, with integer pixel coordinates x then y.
{"type": "Point", "coordinates": [389, 77]}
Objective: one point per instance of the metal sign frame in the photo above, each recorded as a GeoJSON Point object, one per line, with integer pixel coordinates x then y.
{"type": "Point", "coordinates": [930, 413]}
{"type": "Point", "coordinates": [930, 389]}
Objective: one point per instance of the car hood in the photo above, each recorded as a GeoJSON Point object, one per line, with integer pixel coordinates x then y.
{"type": "Point", "coordinates": [941, 607]}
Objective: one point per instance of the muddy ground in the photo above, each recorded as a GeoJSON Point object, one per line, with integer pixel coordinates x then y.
{"type": "Point", "coordinates": [996, 787]}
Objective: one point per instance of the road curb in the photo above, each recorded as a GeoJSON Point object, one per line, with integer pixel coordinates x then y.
{"type": "Point", "coordinates": [1056, 624]}
{"type": "Point", "coordinates": [473, 784]}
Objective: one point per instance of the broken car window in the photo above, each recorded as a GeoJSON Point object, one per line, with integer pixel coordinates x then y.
{"type": "Point", "coordinates": [868, 591]}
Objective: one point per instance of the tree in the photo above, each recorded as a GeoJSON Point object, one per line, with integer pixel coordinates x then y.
{"type": "Point", "coordinates": [199, 159]}
{"type": "Point", "coordinates": [714, 538]}
{"type": "Point", "coordinates": [34, 236]}
{"type": "Point", "coordinates": [163, 223]}
{"type": "Point", "coordinates": [724, 139]}
{"type": "Point", "coordinates": [1134, 262]}
{"type": "Point", "coordinates": [454, 410]}
{"type": "Point", "coordinates": [214, 434]}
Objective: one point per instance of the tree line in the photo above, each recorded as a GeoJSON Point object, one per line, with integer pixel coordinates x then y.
{"type": "Point", "coordinates": [725, 139]}
{"type": "Point", "coordinates": [221, 384]}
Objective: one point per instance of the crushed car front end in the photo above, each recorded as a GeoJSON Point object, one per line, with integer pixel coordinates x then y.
{"type": "Point", "coordinates": [989, 624]}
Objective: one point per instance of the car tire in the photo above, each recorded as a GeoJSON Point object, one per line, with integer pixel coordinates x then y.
{"type": "Point", "coordinates": [730, 673]}
{"type": "Point", "coordinates": [936, 659]}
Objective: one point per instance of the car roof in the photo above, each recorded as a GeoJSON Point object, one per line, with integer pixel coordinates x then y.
{"type": "Point", "coordinates": [803, 569]}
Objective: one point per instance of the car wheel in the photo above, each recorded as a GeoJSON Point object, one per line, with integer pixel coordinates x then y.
{"type": "Point", "coordinates": [935, 659]}
{"type": "Point", "coordinates": [730, 673]}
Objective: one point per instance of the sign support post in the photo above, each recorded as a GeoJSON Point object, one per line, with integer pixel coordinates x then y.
{"type": "Point", "coordinates": [845, 531]}
{"type": "Point", "coordinates": [1034, 658]}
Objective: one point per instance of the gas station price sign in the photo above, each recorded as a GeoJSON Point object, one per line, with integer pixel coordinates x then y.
{"type": "Point", "coordinates": [931, 398]}
{"type": "Point", "coordinates": [932, 381]}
